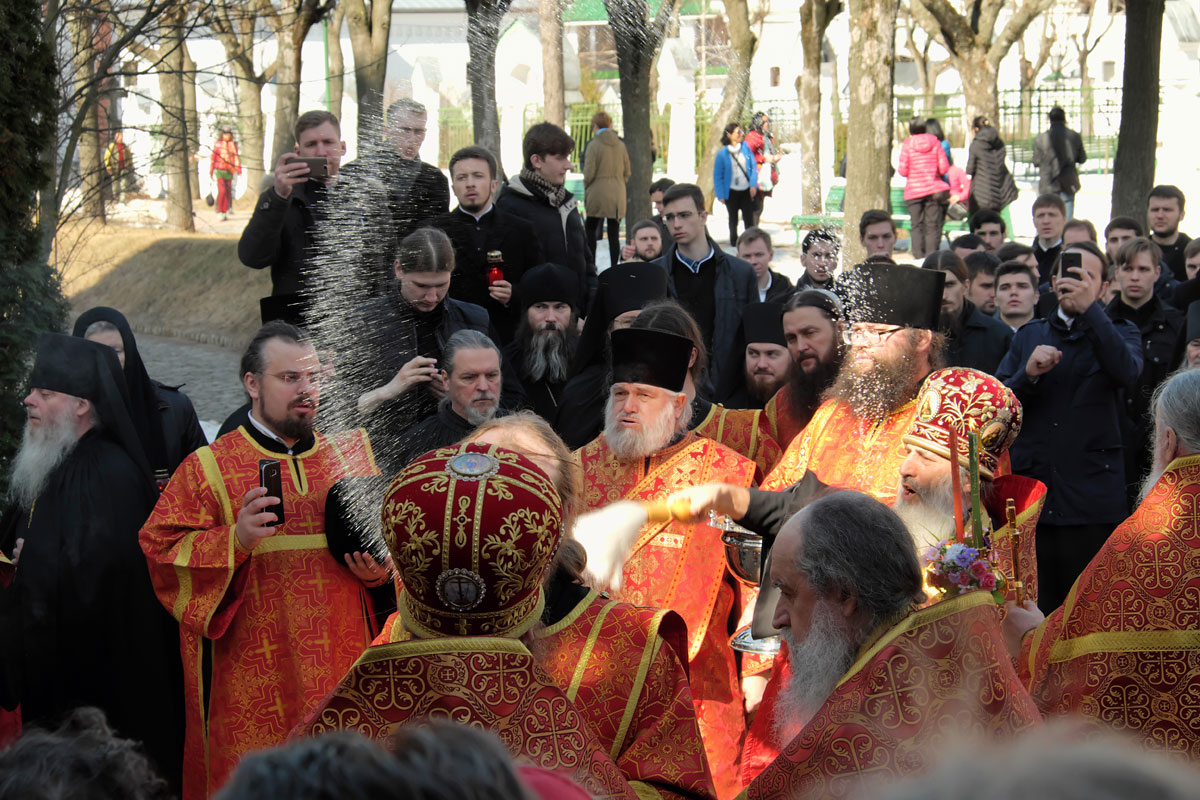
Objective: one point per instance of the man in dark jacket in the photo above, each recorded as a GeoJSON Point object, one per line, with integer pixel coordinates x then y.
{"type": "Point", "coordinates": [992, 185]}
{"type": "Point", "coordinates": [1055, 153]}
{"type": "Point", "coordinates": [819, 254]}
{"type": "Point", "coordinates": [477, 228]}
{"type": "Point", "coordinates": [754, 247]}
{"type": "Point", "coordinates": [538, 195]}
{"type": "Point", "coordinates": [1069, 372]}
{"type": "Point", "coordinates": [547, 336]}
{"type": "Point", "coordinates": [470, 372]}
{"type": "Point", "coordinates": [973, 339]}
{"type": "Point", "coordinates": [712, 286]}
{"type": "Point", "coordinates": [279, 233]}
{"type": "Point", "coordinates": [403, 335]}
{"type": "Point", "coordinates": [1049, 218]}
{"type": "Point", "coordinates": [1160, 325]}
{"type": "Point", "coordinates": [411, 189]}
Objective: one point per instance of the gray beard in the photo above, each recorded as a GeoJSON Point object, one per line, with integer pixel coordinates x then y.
{"type": "Point", "coordinates": [1156, 472]}
{"type": "Point", "coordinates": [629, 445]}
{"type": "Point", "coordinates": [930, 517]}
{"type": "Point", "coordinates": [42, 450]}
{"type": "Point", "coordinates": [546, 356]}
{"type": "Point", "coordinates": [477, 417]}
{"type": "Point", "coordinates": [817, 664]}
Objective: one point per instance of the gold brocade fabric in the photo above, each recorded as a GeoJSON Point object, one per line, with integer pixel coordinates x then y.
{"type": "Point", "coordinates": [744, 431]}
{"type": "Point", "coordinates": [939, 676]}
{"type": "Point", "coordinates": [682, 567]}
{"type": "Point", "coordinates": [620, 665]}
{"type": "Point", "coordinates": [486, 682]}
{"type": "Point", "coordinates": [1124, 649]}
{"type": "Point", "coordinates": [280, 625]}
{"type": "Point", "coordinates": [847, 451]}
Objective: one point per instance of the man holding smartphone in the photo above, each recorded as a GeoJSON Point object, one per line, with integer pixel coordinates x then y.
{"type": "Point", "coordinates": [268, 619]}
{"type": "Point", "coordinates": [1069, 372]}
{"type": "Point", "coordinates": [279, 234]}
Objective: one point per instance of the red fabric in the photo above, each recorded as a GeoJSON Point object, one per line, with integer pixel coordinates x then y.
{"type": "Point", "coordinates": [224, 195]}
{"type": "Point", "coordinates": [549, 785]}
{"type": "Point", "coordinates": [10, 727]}
{"type": "Point", "coordinates": [960, 183]}
{"type": "Point", "coordinates": [923, 162]}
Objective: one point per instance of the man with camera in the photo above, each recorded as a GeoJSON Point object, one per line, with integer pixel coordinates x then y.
{"type": "Point", "coordinates": [279, 233]}
{"type": "Point", "coordinates": [1069, 371]}
{"type": "Point", "coordinates": [268, 619]}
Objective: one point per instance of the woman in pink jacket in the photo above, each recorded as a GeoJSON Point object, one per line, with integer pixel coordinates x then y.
{"type": "Point", "coordinates": [924, 162]}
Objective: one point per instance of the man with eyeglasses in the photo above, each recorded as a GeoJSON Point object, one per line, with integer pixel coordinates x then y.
{"type": "Point", "coordinates": [713, 286]}
{"type": "Point", "coordinates": [268, 620]}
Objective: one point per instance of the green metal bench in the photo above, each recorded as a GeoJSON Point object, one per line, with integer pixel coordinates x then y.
{"type": "Point", "coordinates": [834, 217]}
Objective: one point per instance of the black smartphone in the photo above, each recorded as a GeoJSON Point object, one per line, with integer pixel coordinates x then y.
{"type": "Point", "coordinates": [1072, 262]}
{"type": "Point", "coordinates": [317, 167]}
{"type": "Point", "coordinates": [270, 478]}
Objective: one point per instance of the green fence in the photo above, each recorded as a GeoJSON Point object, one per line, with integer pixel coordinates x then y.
{"type": "Point", "coordinates": [455, 131]}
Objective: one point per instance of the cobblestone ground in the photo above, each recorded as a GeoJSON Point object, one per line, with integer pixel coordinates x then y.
{"type": "Point", "coordinates": [209, 374]}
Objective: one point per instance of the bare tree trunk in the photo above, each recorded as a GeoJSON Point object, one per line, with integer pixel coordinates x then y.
{"type": "Point", "coordinates": [815, 16]}
{"type": "Point", "coordinates": [192, 119]}
{"type": "Point", "coordinates": [742, 43]}
{"type": "Point", "coordinates": [979, 87]}
{"type": "Point", "coordinates": [91, 164]}
{"type": "Point", "coordinates": [1133, 168]}
{"type": "Point", "coordinates": [550, 30]}
{"type": "Point", "coordinates": [174, 125]}
{"type": "Point", "coordinates": [287, 90]}
{"type": "Point", "coordinates": [337, 61]}
{"type": "Point", "coordinates": [869, 150]}
{"type": "Point", "coordinates": [252, 126]}
{"type": "Point", "coordinates": [370, 29]}
{"type": "Point", "coordinates": [483, 33]}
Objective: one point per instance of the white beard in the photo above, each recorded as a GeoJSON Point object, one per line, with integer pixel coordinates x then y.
{"type": "Point", "coordinates": [477, 417]}
{"type": "Point", "coordinates": [929, 517]}
{"type": "Point", "coordinates": [1156, 472]}
{"type": "Point", "coordinates": [628, 445]}
{"type": "Point", "coordinates": [817, 664]}
{"type": "Point", "coordinates": [42, 450]}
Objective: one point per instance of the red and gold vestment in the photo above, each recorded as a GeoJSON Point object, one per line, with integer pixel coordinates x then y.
{"type": "Point", "coordinates": [940, 674]}
{"type": "Point", "coordinates": [682, 567]}
{"type": "Point", "coordinates": [486, 682]}
{"type": "Point", "coordinates": [1124, 649]}
{"type": "Point", "coordinates": [847, 451]}
{"type": "Point", "coordinates": [274, 628]}
{"type": "Point", "coordinates": [781, 422]}
{"type": "Point", "coordinates": [744, 431]}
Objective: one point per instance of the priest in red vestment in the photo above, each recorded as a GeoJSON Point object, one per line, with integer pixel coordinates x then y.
{"type": "Point", "coordinates": [644, 454]}
{"type": "Point", "coordinates": [878, 686]}
{"type": "Point", "coordinates": [1123, 651]}
{"type": "Point", "coordinates": [268, 620]}
{"type": "Point", "coordinates": [471, 529]}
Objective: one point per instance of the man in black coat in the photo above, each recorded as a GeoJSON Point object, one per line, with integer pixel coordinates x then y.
{"type": "Point", "coordinates": [1056, 151]}
{"type": "Point", "coordinates": [392, 364]}
{"type": "Point", "coordinates": [973, 339]}
{"type": "Point", "coordinates": [547, 336]}
{"type": "Point", "coordinates": [279, 235]}
{"type": "Point", "coordinates": [1160, 326]}
{"type": "Point", "coordinates": [79, 621]}
{"type": "Point", "coordinates": [1070, 372]}
{"type": "Point", "coordinates": [538, 195]}
{"type": "Point", "coordinates": [478, 228]}
{"type": "Point", "coordinates": [714, 287]}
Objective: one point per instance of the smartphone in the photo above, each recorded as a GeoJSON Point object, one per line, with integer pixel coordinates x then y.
{"type": "Point", "coordinates": [1072, 261]}
{"type": "Point", "coordinates": [317, 167]}
{"type": "Point", "coordinates": [270, 478]}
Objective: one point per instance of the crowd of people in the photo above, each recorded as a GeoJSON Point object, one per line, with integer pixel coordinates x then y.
{"type": "Point", "coordinates": [472, 547]}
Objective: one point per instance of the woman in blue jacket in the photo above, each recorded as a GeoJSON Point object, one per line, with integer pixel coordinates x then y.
{"type": "Point", "coordinates": [735, 179]}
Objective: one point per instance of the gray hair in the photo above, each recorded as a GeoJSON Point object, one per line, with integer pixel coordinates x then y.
{"type": "Point", "coordinates": [466, 339]}
{"type": "Point", "coordinates": [100, 326]}
{"type": "Point", "coordinates": [406, 105]}
{"type": "Point", "coordinates": [1176, 406]}
{"type": "Point", "coordinates": [855, 545]}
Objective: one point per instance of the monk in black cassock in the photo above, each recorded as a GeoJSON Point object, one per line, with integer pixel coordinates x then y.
{"type": "Point", "coordinates": [79, 622]}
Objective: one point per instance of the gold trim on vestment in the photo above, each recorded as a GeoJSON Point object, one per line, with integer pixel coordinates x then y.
{"type": "Point", "coordinates": [649, 652]}
{"type": "Point", "coordinates": [422, 631]}
{"type": "Point", "coordinates": [445, 644]}
{"type": "Point", "coordinates": [281, 542]}
{"type": "Point", "coordinates": [274, 454]}
{"type": "Point", "coordinates": [569, 619]}
{"type": "Point", "coordinates": [645, 791]}
{"type": "Point", "coordinates": [1124, 642]}
{"type": "Point", "coordinates": [588, 645]}
{"type": "Point", "coordinates": [917, 619]}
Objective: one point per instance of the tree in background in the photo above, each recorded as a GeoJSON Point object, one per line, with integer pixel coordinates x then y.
{"type": "Point", "coordinates": [290, 20]}
{"type": "Point", "coordinates": [1137, 140]}
{"type": "Point", "coordinates": [815, 16]}
{"type": "Point", "coordinates": [869, 148]}
{"type": "Point", "coordinates": [742, 44]}
{"type": "Point", "coordinates": [1085, 45]}
{"type": "Point", "coordinates": [31, 299]}
{"type": "Point", "coordinates": [370, 25]}
{"type": "Point", "coordinates": [483, 34]}
{"type": "Point", "coordinates": [1030, 70]}
{"type": "Point", "coordinates": [550, 30]}
{"type": "Point", "coordinates": [638, 38]}
{"type": "Point", "coordinates": [976, 48]}
{"type": "Point", "coordinates": [337, 60]}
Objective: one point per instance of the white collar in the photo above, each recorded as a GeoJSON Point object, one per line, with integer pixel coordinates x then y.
{"type": "Point", "coordinates": [1061, 315]}
{"type": "Point", "coordinates": [265, 431]}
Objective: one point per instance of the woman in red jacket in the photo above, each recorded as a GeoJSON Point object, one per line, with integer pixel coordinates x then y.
{"type": "Point", "coordinates": [924, 162]}
{"type": "Point", "coordinates": [224, 165]}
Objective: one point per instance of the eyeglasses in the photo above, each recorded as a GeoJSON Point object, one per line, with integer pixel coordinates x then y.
{"type": "Point", "coordinates": [294, 378]}
{"type": "Point", "coordinates": [413, 131]}
{"type": "Point", "coordinates": [681, 215]}
{"type": "Point", "coordinates": [868, 336]}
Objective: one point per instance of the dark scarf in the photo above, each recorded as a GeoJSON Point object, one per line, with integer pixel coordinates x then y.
{"type": "Point", "coordinates": [1058, 143]}
{"type": "Point", "coordinates": [554, 195]}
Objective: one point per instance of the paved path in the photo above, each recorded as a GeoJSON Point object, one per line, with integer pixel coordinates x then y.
{"type": "Point", "coordinates": [209, 374]}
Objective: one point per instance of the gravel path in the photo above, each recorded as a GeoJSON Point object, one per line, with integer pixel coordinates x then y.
{"type": "Point", "coordinates": [209, 374]}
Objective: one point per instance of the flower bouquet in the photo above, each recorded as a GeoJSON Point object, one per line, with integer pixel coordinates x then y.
{"type": "Point", "coordinates": [957, 568]}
